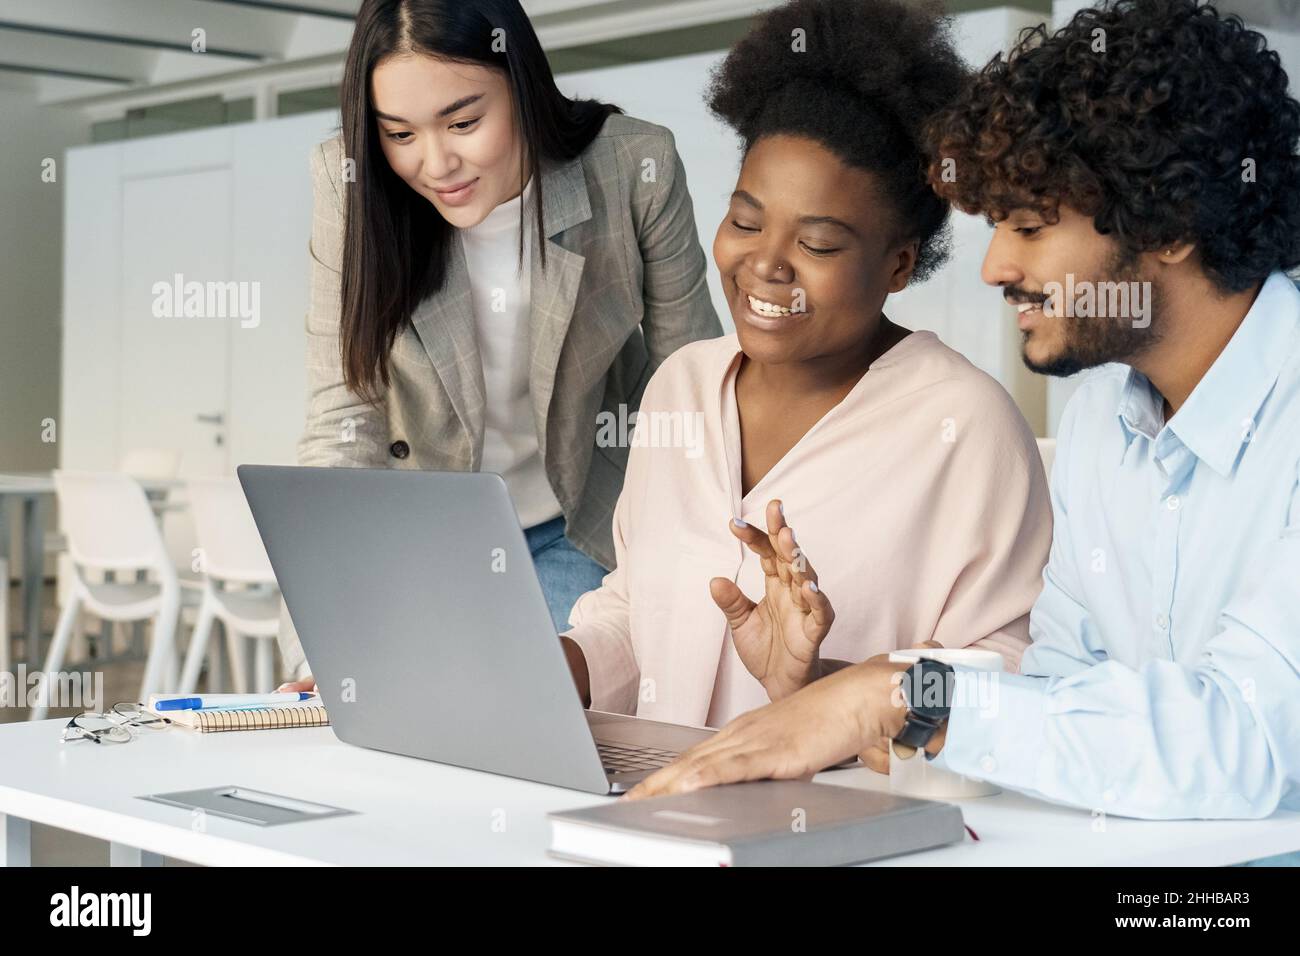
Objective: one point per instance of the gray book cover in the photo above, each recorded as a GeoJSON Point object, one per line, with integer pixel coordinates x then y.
{"type": "Point", "coordinates": [783, 822]}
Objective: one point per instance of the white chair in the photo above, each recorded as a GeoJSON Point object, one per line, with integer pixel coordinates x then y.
{"type": "Point", "coordinates": [1047, 450]}
{"type": "Point", "coordinates": [239, 587]}
{"type": "Point", "coordinates": [139, 463]}
{"type": "Point", "coordinates": [110, 527]}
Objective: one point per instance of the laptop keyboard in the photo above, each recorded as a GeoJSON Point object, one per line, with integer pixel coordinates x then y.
{"type": "Point", "coordinates": [620, 759]}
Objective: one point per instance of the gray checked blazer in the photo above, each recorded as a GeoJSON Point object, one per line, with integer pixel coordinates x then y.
{"type": "Point", "coordinates": [623, 288]}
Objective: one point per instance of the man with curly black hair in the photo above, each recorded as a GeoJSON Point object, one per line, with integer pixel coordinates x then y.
{"type": "Point", "coordinates": [1140, 168]}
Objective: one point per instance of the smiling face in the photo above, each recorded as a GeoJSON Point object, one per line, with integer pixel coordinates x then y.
{"type": "Point", "coordinates": [448, 131]}
{"type": "Point", "coordinates": [806, 252]}
{"type": "Point", "coordinates": [1030, 257]}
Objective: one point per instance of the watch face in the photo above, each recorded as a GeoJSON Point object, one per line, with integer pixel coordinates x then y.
{"type": "Point", "coordinates": [929, 689]}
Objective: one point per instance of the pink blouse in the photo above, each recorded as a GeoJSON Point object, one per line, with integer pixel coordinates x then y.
{"type": "Point", "coordinates": [920, 499]}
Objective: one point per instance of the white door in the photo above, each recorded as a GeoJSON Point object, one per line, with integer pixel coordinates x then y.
{"type": "Point", "coordinates": [175, 366]}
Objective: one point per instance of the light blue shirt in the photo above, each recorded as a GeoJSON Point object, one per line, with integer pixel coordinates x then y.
{"type": "Point", "coordinates": [1164, 676]}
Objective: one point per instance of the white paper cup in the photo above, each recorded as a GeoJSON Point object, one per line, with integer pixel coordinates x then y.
{"type": "Point", "coordinates": [914, 775]}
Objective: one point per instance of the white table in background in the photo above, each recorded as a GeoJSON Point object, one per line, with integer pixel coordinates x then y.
{"type": "Point", "coordinates": [412, 812]}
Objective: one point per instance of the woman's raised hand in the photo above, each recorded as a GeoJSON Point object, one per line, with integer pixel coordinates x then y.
{"type": "Point", "coordinates": [778, 639]}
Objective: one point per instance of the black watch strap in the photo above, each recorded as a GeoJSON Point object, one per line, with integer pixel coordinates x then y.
{"type": "Point", "coordinates": [925, 714]}
{"type": "Point", "coordinates": [917, 731]}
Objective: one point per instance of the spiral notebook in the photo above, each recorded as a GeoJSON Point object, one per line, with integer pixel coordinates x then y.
{"type": "Point", "coordinates": [258, 718]}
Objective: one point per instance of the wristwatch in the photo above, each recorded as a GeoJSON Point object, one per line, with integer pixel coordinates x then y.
{"type": "Point", "coordinates": [927, 692]}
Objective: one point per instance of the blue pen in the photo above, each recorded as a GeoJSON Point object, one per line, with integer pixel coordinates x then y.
{"type": "Point", "coordinates": [229, 701]}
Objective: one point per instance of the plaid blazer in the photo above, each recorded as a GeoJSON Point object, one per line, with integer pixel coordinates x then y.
{"type": "Point", "coordinates": [624, 286]}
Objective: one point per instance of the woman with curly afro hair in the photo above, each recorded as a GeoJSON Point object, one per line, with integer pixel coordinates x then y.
{"type": "Point", "coordinates": [1146, 152]}
{"type": "Point", "coordinates": [914, 482]}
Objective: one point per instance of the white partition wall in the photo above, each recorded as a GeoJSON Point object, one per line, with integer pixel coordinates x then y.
{"type": "Point", "coordinates": [228, 208]}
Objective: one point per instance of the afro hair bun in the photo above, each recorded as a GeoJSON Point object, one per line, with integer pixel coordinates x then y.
{"type": "Point", "coordinates": [861, 77]}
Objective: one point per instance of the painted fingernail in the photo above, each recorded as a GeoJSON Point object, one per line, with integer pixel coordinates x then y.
{"type": "Point", "coordinates": [792, 537]}
{"type": "Point", "coordinates": [812, 586]}
{"type": "Point", "coordinates": [740, 522]}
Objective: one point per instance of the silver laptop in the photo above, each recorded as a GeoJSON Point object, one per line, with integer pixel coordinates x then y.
{"type": "Point", "coordinates": [416, 601]}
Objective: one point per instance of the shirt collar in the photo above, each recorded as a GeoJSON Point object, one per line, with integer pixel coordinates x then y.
{"type": "Point", "coordinates": [1139, 411]}
{"type": "Point", "coordinates": [1219, 416]}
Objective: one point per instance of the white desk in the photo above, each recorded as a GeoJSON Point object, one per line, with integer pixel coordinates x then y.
{"type": "Point", "coordinates": [411, 812]}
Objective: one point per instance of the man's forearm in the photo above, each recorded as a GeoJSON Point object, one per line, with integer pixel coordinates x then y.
{"type": "Point", "coordinates": [830, 665]}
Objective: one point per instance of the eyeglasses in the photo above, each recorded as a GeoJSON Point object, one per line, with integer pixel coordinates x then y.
{"type": "Point", "coordinates": [116, 726]}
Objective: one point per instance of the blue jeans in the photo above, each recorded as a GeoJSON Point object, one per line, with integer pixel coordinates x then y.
{"type": "Point", "coordinates": [565, 572]}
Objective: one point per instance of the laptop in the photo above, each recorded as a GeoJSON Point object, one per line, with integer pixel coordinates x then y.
{"type": "Point", "coordinates": [416, 601]}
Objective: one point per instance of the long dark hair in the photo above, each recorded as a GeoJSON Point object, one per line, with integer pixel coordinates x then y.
{"type": "Point", "coordinates": [396, 245]}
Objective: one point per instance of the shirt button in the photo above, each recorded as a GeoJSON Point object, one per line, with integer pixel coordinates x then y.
{"type": "Point", "coordinates": [399, 449]}
{"type": "Point", "coordinates": [1162, 621]}
{"type": "Point", "coordinates": [988, 764]}
{"type": "Point", "coordinates": [1172, 502]}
